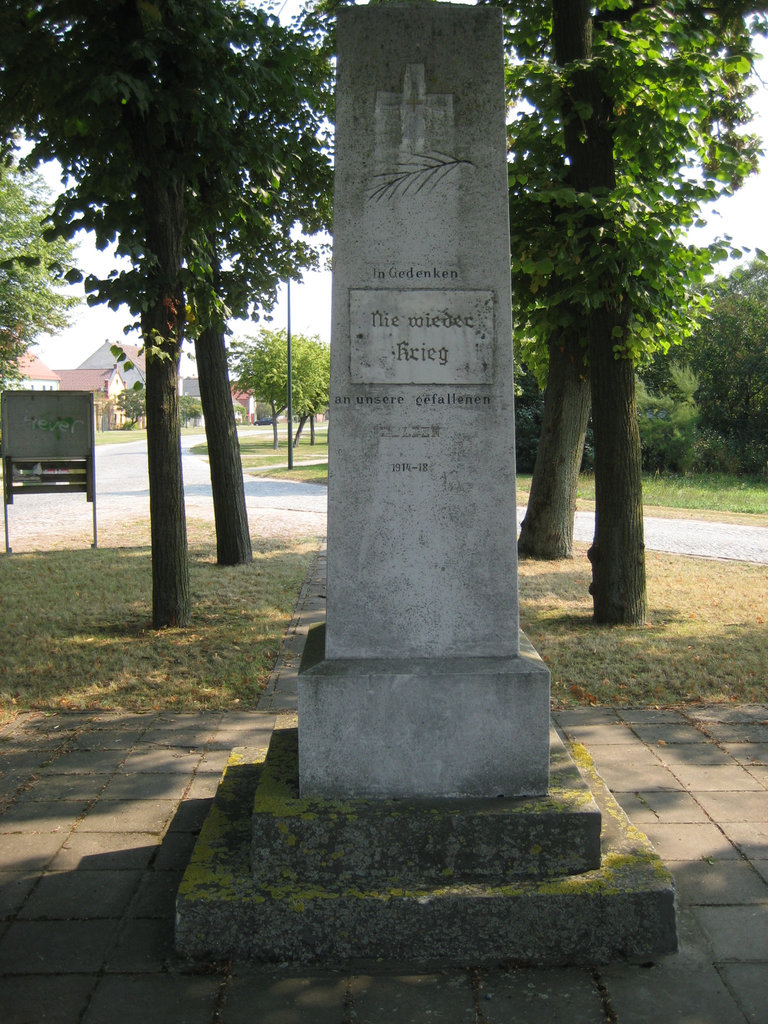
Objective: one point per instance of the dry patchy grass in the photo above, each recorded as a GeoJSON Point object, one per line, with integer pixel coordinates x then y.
{"type": "Point", "coordinates": [706, 638]}
{"type": "Point", "coordinates": [75, 629]}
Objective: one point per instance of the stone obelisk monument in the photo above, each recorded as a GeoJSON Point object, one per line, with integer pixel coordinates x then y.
{"type": "Point", "coordinates": [424, 814]}
{"type": "Point", "coordinates": [423, 690]}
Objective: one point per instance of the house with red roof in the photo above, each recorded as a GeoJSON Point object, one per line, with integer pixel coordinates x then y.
{"type": "Point", "coordinates": [36, 376]}
{"type": "Point", "coordinates": [106, 385]}
{"type": "Point", "coordinates": [100, 373]}
{"type": "Point", "coordinates": [247, 402]}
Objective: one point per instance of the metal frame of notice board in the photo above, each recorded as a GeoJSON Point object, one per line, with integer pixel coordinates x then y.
{"type": "Point", "coordinates": [48, 446]}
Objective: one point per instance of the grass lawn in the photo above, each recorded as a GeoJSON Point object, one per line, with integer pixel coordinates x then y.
{"type": "Point", "coordinates": [75, 624]}
{"type": "Point", "coordinates": [259, 457]}
{"type": "Point", "coordinates": [705, 639]}
{"type": "Point", "coordinates": [137, 434]}
{"type": "Point", "coordinates": [75, 628]}
{"type": "Point", "coordinates": [75, 631]}
{"type": "Point", "coordinates": [699, 496]}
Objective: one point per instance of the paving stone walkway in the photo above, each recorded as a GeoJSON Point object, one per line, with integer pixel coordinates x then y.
{"type": "Point", "coordinates": [99, 814]}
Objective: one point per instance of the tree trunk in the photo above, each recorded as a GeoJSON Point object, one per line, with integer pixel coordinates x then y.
{"type": "Point", "coordinates": [618, 552]}
{"type": "Point", "coordinates": [312, 430]}
{"type": "Point", "coordinates": [163, 329]}
{"type": "Point", "coordinates": [275, 437]}
{"type": "Point", "coordinates": [302, 421]}
{"type": "Point", "coordinates": [233, 540]}
{"type": "Point", "coordinates": [170, 562]}
{"type": "Point", "coordinates": [547, 530]}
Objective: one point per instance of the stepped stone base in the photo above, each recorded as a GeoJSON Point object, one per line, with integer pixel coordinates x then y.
{"type": "Point", "coordinates": [276, 878]}
{"type": "Point", "coordinates": [416, 843]}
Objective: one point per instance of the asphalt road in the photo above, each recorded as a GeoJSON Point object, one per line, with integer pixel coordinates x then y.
{"type": "Point", "coordinates": [277, 508]}
{"type": "Point", "coordinates": [288, 508]}
{"type": "Point", "coordinates": [693, 537]}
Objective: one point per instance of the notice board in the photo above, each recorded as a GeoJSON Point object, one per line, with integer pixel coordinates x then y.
{"type": "Point", "coordinates": [47, 445]}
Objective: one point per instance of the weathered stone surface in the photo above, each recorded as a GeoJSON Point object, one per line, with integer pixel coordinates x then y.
{"type": "Point", "coordinates": [421, 499]}
{"type": "Point", "coordinates": [623, 909]}
{"type": "Point", "coordinates": [408, 728]}
{"type": "Point", "coordinates": [425, 691]}
{"type": "Point", "coordinates": [416, 842]}
{"type": "Point", "coordinates": [422, 481]}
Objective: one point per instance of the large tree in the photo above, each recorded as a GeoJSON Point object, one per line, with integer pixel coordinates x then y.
{"type": "Point", "coordinates": [136, 98]}
{"type": "Point", "coordinates": [32, 269]}
{"type": "Point", "coordinates": [310, 381]}
{"type": "Point", "coordinates": [631, 121]}
{"type": "Point", "coordinates": [260, 366]}
{"type": "Point", "coordinates": [268, 171]}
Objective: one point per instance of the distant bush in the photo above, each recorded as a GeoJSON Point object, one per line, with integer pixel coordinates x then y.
{"type": "Point", "coordinates": [527, 432]}
{"type": "Point", "coordinates": [668, 423]}
{"type": "Point", "coordinates": [713, 453]}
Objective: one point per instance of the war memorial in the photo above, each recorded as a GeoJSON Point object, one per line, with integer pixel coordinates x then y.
{"type": "Point", "coordinates": [424, 812]}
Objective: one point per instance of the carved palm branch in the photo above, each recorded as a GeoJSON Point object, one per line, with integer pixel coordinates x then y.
{"type": "Point", "coordinates": [421, 171]}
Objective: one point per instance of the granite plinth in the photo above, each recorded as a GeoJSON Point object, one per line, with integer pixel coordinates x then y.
{"type": "Point", "coordinates": [423, 727]}
{"type": "Point", "coordinates": [623, 909]}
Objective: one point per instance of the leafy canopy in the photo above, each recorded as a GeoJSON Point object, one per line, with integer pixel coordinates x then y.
{"type": "Point", "coordinates": [32, 269]}
{"type": "Point", "coordinates": [214, 101]}
{"type": "Point", "coordinates": [260, 366]}
{"type": "Point", "coordinates": [674, 80]}
{"type": "Point", "coordinates": [729, 355]}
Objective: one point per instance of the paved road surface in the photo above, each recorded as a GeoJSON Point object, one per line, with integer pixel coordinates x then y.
{"type": "Point", "coordinates": [288, 508]}
{"type": "Point", "coordinates": [275, 507]}
{"type": "Point", "coordinates": [693, 537]}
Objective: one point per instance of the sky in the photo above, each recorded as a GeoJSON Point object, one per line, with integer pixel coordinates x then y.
{"type": "Point", "coordinates": [743, 217]}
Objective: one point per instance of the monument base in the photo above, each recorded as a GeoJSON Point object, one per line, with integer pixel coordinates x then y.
{"type": "Point", "coordinates": [280, 878]}
{"type": "Point", "coordinates": [423, 727]}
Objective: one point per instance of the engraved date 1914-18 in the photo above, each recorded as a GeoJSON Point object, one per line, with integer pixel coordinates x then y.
{"type": "Point", "coordinates": [410, 467]}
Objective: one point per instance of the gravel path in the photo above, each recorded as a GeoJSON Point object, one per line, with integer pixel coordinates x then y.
{"type": "Point", "coordinates": [285, 508]}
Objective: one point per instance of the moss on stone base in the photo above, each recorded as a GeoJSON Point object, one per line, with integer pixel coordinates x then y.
{"type": "Point", "coordinates": [623, 909]}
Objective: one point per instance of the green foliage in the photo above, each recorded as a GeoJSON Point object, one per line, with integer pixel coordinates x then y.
{"type": "Point", "coordinates": [204, 114]}
{"type": "Point", "coordinates": [672, 83]}
{"type": "Point", "coordinates": [311, 375]}
{"type": "Point", "coordinates": [190, 409]}
{"type": "Point", "coordinates": [729, 356]}
{"type": "Point", "coordinates": [133, 402]}
{"type": "Point", "coordinates": [728, 359]}
{"type": "Point", "coordinates": [529, 406]}
{"type": "Point", "coordinates": [668, 423]}
{"type": "Point", "coordinates": [32, 269]}
{"type": "Point", "coordinates": [260, 365]}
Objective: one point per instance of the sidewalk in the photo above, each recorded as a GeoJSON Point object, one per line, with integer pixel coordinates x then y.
{"type": "Point", "coordinates": [99, 814]}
